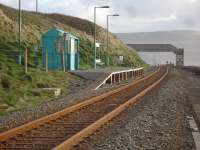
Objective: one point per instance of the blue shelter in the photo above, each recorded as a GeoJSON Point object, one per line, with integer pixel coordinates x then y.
{"type": "Point", "coordinates": [60, 50]}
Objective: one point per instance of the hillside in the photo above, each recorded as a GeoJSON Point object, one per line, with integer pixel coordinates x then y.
{"type": "Point", "coordinates": [189, 40]}
{"type": "Point", "coordinates": [33, 25]}
{"type": "Point", "coordinates": [19, 90]}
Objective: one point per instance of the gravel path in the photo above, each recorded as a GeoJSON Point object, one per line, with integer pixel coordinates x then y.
{"type": "Point", "coordinates": [158, 121]}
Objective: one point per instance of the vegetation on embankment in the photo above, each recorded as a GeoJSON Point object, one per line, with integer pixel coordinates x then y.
{"type": "Point", "coordinates": [19, 90]}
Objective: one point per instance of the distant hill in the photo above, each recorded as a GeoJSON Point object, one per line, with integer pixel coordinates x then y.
{"type": "Point", "coordinates": [189, 40]}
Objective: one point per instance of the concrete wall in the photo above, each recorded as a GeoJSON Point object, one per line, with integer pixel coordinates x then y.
{"type": "Point", "coordinates": [161, 48]}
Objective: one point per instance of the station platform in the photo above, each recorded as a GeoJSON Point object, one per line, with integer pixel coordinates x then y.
{"type": "Point", "coordinates": [108, 75]}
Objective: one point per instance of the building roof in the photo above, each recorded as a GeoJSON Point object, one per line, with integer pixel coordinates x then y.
{"type": "Point", "coordinates": [155, 48]}
{"type": "Point", "coordinates": [57, 32]}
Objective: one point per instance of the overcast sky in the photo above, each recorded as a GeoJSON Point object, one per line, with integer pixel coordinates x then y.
{"type": "Point", "coordinates": [135, 15]}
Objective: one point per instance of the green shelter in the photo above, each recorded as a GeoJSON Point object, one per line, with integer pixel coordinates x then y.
{"type": "Point", "coordinates": [60, 50]}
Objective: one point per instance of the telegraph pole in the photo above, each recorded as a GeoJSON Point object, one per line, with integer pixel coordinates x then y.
{"type": "Point", "coordinates": [20, 53]}
{"type": "Point", "coordinates": [94, 37]}
{"type": "Point", "coordinates": [107, 60]}
{"type": "Point", "coordinates": [36, 6]}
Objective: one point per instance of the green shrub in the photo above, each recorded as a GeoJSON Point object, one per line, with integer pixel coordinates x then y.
{"type": "Point", "coordinates": [5, 82]}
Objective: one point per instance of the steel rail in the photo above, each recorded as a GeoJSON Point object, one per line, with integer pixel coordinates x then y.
{"type": "Point", "coordinates": [36, 123]}
{"type": "Point", "coordinates": [68, 144]}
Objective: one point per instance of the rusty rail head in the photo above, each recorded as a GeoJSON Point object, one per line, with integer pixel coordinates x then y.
{"type": "Point", "coordinates": [74, 140]}
{"type": "Point", "coordinates": [36, 123]}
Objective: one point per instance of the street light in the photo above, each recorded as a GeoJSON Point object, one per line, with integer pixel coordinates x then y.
{"type": "Point", "coordinates": [95, 32]}
{"type": "Point", "coordinates": [114, 15]}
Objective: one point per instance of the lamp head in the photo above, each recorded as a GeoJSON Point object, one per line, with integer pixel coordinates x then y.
{"type": "Point", "coordinates": [104, 7]}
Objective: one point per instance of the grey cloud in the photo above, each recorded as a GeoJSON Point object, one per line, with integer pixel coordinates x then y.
{"type": "Point", "coordinates": [188, 22]}
{"type": "Point", "coordinates": [131, 12]}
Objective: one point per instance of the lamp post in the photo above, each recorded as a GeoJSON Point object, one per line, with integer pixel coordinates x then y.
{"type": "Point", "coordinates": [95, 32]}
{"type": "Point", "coordinates": [20, 53]}
{"type": "Point", "coordinates": [107, 44]}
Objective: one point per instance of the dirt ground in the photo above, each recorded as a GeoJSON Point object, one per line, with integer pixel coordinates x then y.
{"type": "Point", "coordinates": [158, 121]}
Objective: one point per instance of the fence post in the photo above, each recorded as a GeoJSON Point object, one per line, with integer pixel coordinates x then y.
{"type": "Point", "coordinates": [63, 60]}
{"type": "Point", "coordinates": [46, 61]}
{"type": "Point", "coordinates": [19, 60]}
{"type": "Point", "coordinates": [26, 60]}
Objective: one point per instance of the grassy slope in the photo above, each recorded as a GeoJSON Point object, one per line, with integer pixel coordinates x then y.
{"type": "Point", "coordinates": [35, 24]}
{"type": "Point", "coordinates": [18, 89]}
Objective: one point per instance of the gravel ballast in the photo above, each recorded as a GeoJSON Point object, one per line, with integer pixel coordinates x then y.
{"type": "Point", "coordinates": [78, 91]}
{"type": "Point", "coordinates": [158, 121]}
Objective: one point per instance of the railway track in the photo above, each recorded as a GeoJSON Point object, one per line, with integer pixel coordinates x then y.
{"type": "Point", "coordinates": [66, 128]}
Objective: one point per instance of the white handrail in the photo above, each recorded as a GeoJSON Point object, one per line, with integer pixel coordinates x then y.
{"type": "Point", "coordinates": [116, 72]}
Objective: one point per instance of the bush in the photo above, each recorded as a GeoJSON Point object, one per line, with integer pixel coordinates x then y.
{"type": "Point", "coordinates": [5, 82]}
{"type": "Point", "coordinates": [42, 85]}
{"type": "Point", "coordinates": [27, 77]}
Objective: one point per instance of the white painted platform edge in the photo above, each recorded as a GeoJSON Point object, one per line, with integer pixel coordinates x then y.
{"type": "Point", "coordinates": [196, 137]}
{"type": "Point", "coordinates": [195, 132]}
{"type": "Point", "coordinates": [193, 125]}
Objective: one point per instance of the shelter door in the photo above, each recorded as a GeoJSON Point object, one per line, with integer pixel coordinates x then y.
{"type": "Point", "coordinates": [72, 55]}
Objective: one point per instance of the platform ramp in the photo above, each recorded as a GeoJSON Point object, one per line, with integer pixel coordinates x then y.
{"type": "Point", "coordinates": [103, 77]}
{"type": "Point", "coordinates": [90, 75]}
{"type": "Point", "coordinates": [118, 76]}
